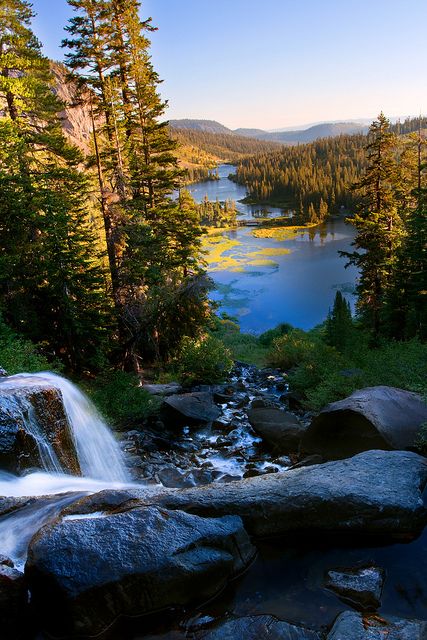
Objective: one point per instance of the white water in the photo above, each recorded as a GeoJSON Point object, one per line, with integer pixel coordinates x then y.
{"type": "Point", "coordinates": [99, 456]}
{"type": "Point", "coordinates": [98, 453]}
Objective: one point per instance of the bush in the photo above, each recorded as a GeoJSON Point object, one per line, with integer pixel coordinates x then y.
{"type": "Point", "coordinates": [293, 348]}
{"type": "Point", "coordinates": [203, 361]}
{"type": "Point", "coordinates": [267, 338]}
{"type": "Point", "coordinates": [243, 347]}
{"type": "Point", "coordinates": [18, 355]}
{"type": "Point", "coordinates": [121, 400]}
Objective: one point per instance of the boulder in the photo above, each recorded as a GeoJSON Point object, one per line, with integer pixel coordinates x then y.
{"type": "Point", "coordinates": [372, 418]}
{"type": "Point", "coordinates": [32, 425]}
{"type": "Point", "coordinates": [168, 389]}
{"type": "Point", "coordinates": [376, 493]}
{"type": "Point", "coordinates": [360, 586]}
{"type": "Point", "coordinates": [192, 408]}
{"type": "Point", "coordinates": [353, 626]}
{"type": "Point", "coordinates": [84, 572]}
{"type": "Point", "coordinates": [280, 429]}
{"type": "Point", "coordinates": [257, 627]}
{"type": "Point", "coordinates": [13, 602]}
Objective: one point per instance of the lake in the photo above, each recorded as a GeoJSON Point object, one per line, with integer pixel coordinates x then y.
{"type": "Point", "coordinates": [291, 275]}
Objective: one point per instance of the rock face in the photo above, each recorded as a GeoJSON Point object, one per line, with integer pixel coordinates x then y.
{"type": "Point", "coordinates": [192, 408]}
{"type": "Point", "coordinates": [32, 424]}
{"type": "Point", "coordinates": [372, 418]}
{"type": "Point", "coordinates": [257, 627]}
{"type": "Point", "coordinates": [352, 626]}
{"type": "Point", "coordinates": [280, 429]}
{"type": "Point", "coordinates": [85, 572]}
{"type": "Point", "coordinates": [361, 587]}
{"type": "Point", "coordinates": [374, 493]}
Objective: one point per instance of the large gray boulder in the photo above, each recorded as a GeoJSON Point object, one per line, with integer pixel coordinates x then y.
{"type": "Point", "coordinates": [32, 422]}
{"type": "Point", "coordinates": [84, 572]}
{"type": "Point", "coordinates": [192, 408]}
{"type": "Point", "coordinates": [256, 628]}
{"type": "Point", "coordinates": [280, 429]}
{"type": "Point", "coordinates": [353, 626]}
{"type": "Point", "coordinates": [373, 493]}
{"type": "Point", "coordinates": [371, 418]}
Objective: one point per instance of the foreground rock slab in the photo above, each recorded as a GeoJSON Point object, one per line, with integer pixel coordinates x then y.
{"type": "Point", "coordinates": [257, 627]}
{"type": "Point", "coordinates": [376, 493]}
{"type": "Point", "coordinates": [193, 408]}
{"type": "Point", "coordinates": [360, 586]}
{"type": "Point", "coordinates": [84, 572]}
{"type": "Point", "coordinates": [353, 626]}
{"type": "Point", "coordinates": [373, 418]}
{"type": "Point", "coordinates": [282, 430]}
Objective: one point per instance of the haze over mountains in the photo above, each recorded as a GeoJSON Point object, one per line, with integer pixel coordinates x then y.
{"type": "Point", "coordinates": [311, 133]}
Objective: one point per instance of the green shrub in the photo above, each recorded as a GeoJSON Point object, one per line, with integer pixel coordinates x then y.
{"type": "Point", "coordinates": [292, 349]}
{"type": "Point", "coordinates": [267, 338]}
{"type": "Point", "coordinates": [420, 442]}
{"type": "Point", "coordinates": [205, 360]}
{"type": "Point", "coordinates": [243, 347]}
{"type": "Point", "coordinates": [18, 355]}
{"type": "Point", "coordinates": [121, 400]}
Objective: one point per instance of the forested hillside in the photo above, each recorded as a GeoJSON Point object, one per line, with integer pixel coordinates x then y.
{"type": "Point", "coordinates": [316, 179]}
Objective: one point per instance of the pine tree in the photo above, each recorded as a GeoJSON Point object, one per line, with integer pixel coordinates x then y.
{"type": "Point", "coordinates": [51, 285]}
{"type": "Point", "coordinates": [378, 224]}
{"type": "Point", "coordinates": [339, 323]}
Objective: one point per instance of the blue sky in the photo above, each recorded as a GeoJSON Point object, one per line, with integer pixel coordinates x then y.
{"type": "Point", "coordinates": [279, 63]}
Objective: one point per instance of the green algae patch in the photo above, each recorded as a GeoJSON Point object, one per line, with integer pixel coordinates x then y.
{"type": "Point", "coordinates": [281, 233]}
{"type": "Point", "coordinates": [270, 251]}
{"type": "Point", "coordinates": [215, 247]}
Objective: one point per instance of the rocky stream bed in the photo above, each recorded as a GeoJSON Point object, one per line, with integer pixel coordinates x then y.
{"type": "Point", "coordinates": [234, 515]}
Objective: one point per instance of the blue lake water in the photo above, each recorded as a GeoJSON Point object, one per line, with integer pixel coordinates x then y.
{"type": "Point", "coordinates": [262, 289]}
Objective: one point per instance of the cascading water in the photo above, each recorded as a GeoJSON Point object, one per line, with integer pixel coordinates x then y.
{"type": "Point", "coordinates": [100, 459]}
{"type": "Point", "coordinates": [98, 453]}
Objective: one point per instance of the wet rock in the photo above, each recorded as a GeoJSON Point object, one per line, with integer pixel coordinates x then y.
{"type": "Point", "coordinates": [373, 418]}
{"type": "Point", "coordinates": [196, 408]}
{"type": "Point", "coordinates": [85, 572]}
{"type": "Point", "coordinates": [168, 389]}
{"type": "Point", "coordinates": [28, 415]}
{"type": "Point", "coordinates": [4, 560]}
{"type": "Point", "coordinates": [3, 373]}
{"type": "Point", "coordinates": [376, 493]}
{"type": "Point", "coordinates": [308, 461]}
{"type": "Point", "coordinates": [13, 602]}
{"type": "Point", "coordinates": [292, 399]}
{"type": "Point", "coordinates": [353, 626]}
{"type": "Point", "coordinates": [359, 586]}
{"type": "Point", "coordinates": [257, 627]}
{"type": "Point", "coordinates": [265, 402]}
{"type": "Point", "coordinates": [280, 429]}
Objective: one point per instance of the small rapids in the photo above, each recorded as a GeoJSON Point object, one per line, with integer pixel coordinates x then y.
{"type": "Point", "coordinates": [100, 458]}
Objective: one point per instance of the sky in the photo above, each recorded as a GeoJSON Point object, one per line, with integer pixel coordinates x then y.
{"type": "Point", "coordinates": [272, 64]}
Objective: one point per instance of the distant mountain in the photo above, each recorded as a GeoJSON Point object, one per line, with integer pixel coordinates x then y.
{"type": "Point", "coordinates": [296, 136]}
{"type": "Point", "coordinates": [210, 126]}
{"type": "Point", "coordinates": [324, 130]}
{"type": "Point", "coordinates": [251, 133]}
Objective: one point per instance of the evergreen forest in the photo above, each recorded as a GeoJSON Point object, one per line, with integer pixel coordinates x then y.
{"type": "Point", "coordinates": [99, 256]}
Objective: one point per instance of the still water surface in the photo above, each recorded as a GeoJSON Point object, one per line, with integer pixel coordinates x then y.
{"type": "Point", "coordinates": [261, 284]}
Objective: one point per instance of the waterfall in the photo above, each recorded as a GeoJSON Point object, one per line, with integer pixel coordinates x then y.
{"type": "Point", "coordinates": [98, 453]}
{"type": "Point", "coordinates": [100, 459]}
